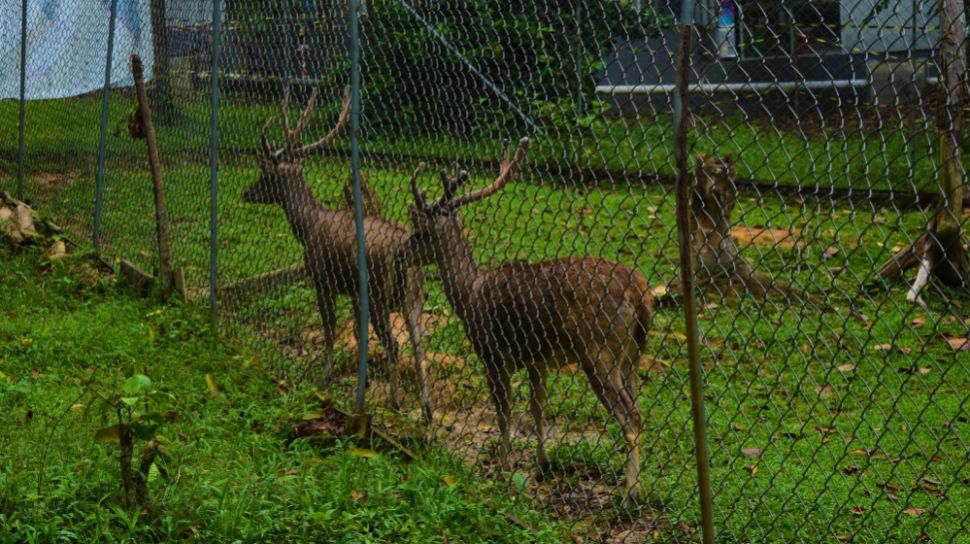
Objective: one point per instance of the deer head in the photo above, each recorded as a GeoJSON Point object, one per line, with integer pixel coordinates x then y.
{"type": "Point", "coordinates": [432, 222]}
{"type": "Point", "coordinates": [281, 169]}
{"type": "Point", "coordinates": [714, 194]}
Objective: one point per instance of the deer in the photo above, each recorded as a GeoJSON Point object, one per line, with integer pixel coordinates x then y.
{"type": "Point", "coordinates": [537, 316]}
{"type": "Point", "coordinates": [329, 241]}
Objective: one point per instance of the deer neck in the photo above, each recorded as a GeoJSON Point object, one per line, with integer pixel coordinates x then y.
{"type": "Point", "coordinates": [302, 211]}
{"type": "Point", "coordinates": [458, 269]}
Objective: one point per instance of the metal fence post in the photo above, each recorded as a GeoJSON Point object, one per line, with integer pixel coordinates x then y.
{"type": "Point", "coordinates": [690, 313]}
{"type": "Point", "coordinates": [358, 198]}
{"type": "Point", "coordinates": [214, 163]}
{"type": "Point", "coordinates": [103, 141]}
{"type": "Point", "coordinates": [22, 143]}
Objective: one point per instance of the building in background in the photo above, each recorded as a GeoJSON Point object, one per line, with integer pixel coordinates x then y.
{"type": "Point", "coordinates": [855, 50]}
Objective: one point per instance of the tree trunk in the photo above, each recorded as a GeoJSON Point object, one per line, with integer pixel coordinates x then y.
{"type": "Point", "coordinates": [940, 251]}
{"type": "Point", "coordinates": [161, 91]}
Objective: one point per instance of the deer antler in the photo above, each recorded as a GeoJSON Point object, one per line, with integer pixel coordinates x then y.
{"type": "Point", "coordinates": [453, 183]}
{"type": "Point", "coordinates": [509, 170]}
{"type": "Point", "coordinates": [416, 192]}
{"type": "Point", "coordinates": [293, 136]}
{"type": "Point", "coordinates": [291, 148]}
{"type": "Point", "coordinates": [325, 141]}
{"type": "Point", "coordinates": [264, 139]}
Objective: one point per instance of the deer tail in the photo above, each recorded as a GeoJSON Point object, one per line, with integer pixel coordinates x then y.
{"type": "Point", "coordinates": [643, 299]}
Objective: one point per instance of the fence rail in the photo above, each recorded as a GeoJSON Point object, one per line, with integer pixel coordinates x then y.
{"type": "Point", "coordinates": [794, 209]}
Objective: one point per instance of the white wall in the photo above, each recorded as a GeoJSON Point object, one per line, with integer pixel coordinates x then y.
{"type": "Point", "coordinates": [890, 30]}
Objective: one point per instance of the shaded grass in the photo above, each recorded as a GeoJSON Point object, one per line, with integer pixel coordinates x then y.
{"type": "Point", "coordinates": [65, 332]}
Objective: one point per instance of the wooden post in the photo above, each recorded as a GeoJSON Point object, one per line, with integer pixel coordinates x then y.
{"type": "Point", "coordinates": [161, 211]}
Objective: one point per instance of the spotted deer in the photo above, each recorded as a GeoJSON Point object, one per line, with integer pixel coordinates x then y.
{"type": "Point", "coordinates": [329, 243]}
{"type": "Point", "coordinates": [536, 316]}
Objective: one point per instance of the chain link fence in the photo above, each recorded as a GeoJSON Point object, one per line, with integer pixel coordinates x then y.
{"type": "Point", "coordinates": [823, 141]}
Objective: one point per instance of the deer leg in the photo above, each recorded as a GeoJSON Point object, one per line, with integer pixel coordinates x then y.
{"type": "Point", "coordinates": [414, 308]}
{"type": "Point", "coordinates": [922, 278]}
{"type": "Point", "coordinates": [631, 435]}
{"type": "Point", "coordinates": [537, 403]}
{"type": "Point", "coordinates": [500, 387]}
{"type": "Point", "coordinates": [327, 304]}
{"type": "Point", "coordinates": [382, 326]}
{"type": "Point", "coordinates": [607, 382]}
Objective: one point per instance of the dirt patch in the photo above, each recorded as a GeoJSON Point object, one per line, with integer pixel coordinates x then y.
{"type": "Point", "coordinates": [766, 237]}
{"type": "Point", "coordinates": [55, 179]}
{"type": "Point", "coordinates": [582, 490]}
{"type": "Point", "coordinates": [346, 338]}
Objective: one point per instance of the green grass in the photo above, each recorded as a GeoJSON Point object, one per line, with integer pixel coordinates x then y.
{"type": "Point", "coordinates": [65, 333]}
{"type": "Point", "coordinates": [883, 150]}
{"type": "Point", "coordinates": [843, 451]}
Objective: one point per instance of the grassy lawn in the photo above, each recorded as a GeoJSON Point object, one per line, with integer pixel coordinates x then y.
{"type": "Point", "coordinates": [840, 417]}
{"type": "Point", "coordinates": [66, 334]}
{"type": "Point", "coordinates": [884, 150]}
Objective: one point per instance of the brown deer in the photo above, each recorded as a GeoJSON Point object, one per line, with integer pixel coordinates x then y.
{"type": "Point", "coordinates": [536, 316]}
{"type": "Point", "coordinates": [329, 242]}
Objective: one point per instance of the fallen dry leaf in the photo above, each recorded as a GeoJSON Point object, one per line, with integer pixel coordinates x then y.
{"type": "Point", "coordinates": [829, 253]}
{"type": "Point", "coordinates": [844, 538]}
{"type": "Point", "coordinates": [751, 452]}
{"type": "Point", "coordinates": [959, 344]}
{"type": "Point", "coordinates": [858, 510]}
{"type": "Point", "coordinates": [824, 391]}
{"type": "Point", "coordinates": [359, 496]}
{"type": "Point", "coordinates": [919, 322]}
{"type": "Point", "coordinates": [622, 536]}
{"type": "Point", "coordinates": [848, 367]}
{"type": "Point", "coordinates": [914, 511]}
{"type": "Point", "coordinates": [888, 347]}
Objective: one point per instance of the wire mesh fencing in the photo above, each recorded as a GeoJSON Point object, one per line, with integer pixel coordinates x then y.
{"type": "Point", "coordinates": [825, 160]}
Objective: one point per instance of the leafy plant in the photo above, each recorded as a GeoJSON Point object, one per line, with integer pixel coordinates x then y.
{"type": "Point", "coordinates": [419, 56]}
{"type": "Point", "coordinates": [129, 404]}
